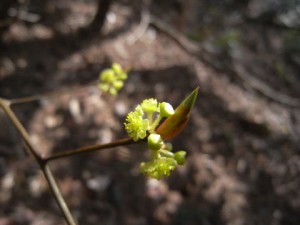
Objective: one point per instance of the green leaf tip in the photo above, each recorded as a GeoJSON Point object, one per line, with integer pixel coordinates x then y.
{"type": "Point", "coordinates": [174, 124]}
{"type": "Point", "coordinates": [190, 100]}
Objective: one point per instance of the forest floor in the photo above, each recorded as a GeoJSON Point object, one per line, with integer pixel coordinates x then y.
{"type": "Point", "coordinates": [243, 138]}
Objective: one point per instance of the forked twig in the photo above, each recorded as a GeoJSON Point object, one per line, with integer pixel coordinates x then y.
{"type": "Point", "coordinates": [6, 104]}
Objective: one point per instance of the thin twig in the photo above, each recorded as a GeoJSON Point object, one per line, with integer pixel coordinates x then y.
{"type": "Point", "coordinates": [195, 50]}
{"type": "Point", "coordinates": [5, 105]}
{"type": "Point", "coordinates": [125, 141]}
{"type": "Point", "coordinates": [264, 88]}
{"type": "Point", "coordinates": [189, 46]}
{"type": "Point", "coordinates": [43, 162]}
{"type": "Point", "coordinates": [261, 22]}
{"type": "Point", "coordinates": [143, 26]}
{"type": "Point", "coordinates": [48, 95]}
{"type": "Point", "coordinates": [57, 195]}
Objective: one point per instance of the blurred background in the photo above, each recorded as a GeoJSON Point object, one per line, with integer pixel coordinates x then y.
{"type": "Point", "coordinates": [243, 139]}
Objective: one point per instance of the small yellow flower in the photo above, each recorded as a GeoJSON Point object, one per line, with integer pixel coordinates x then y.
{"type": "Point", "coordinates": [158, 168]}
{"type": "Point", "coordinates": [150, 105]}
{"type": "Point", "coordinates": [136, 126]}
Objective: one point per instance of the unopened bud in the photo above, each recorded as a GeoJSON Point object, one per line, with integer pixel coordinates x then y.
{"type": "Point", "coordinates": [117, 68]}
{"type": "Point", "coordinates": [166, 109]}
{"type": "Point", "coordinates": [180, 157]}
{"type": "Point", "coordinates": [155, 142]}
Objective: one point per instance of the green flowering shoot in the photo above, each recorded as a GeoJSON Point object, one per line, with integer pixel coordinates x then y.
{"type": "Point", "coordinates": [144, 121]}
{"type": "Point", "coordinates": [112, 79]}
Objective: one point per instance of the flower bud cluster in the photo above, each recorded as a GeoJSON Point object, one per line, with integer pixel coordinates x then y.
{"type": "Point", "coordinates": [142, 122]}
{"type": "Point", "coordinates": [112, 79]}
{"type": "Point", "coordinates": [163, 160]}
{"type": "Point", "coordinates": [146, 117]}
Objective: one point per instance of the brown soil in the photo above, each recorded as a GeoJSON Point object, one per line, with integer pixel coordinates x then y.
{"type": "Point", "coordinates": [243, 161]}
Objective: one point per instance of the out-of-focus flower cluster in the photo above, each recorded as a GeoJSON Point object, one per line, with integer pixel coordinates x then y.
{"type": "Point", "coordinates": [112, 79]}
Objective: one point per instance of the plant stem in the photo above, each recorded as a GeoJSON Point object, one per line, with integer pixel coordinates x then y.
{"type": "Point", "coordinates": [48, 95]}
{"type": "Point", "coordinates": [5, 105]}
{"type": "Point", "coordinates": [99, 19]}
{"type": "Point", "coordinates": [43, 162]}
{"type": "Point", "coordinates": [156, 122]}
{"type": "Point", "coordinates": [123, 142]}
{"type": "Point", "coordinates": [57, 194]}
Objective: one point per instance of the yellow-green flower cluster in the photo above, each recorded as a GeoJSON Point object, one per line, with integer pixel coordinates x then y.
{"type": "Point", "coordinates": [112, 79]}
{"type": "Point", "coordinates": [158, 168]}
{"type": "Point", "coordinates": [163, 160]}
{"type": "Point", "coordinates": [135, 125]}
{"type": "Point", "coordinates": [142, 122]}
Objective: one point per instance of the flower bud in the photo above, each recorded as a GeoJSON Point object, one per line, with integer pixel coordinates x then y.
{"type": "Point", "coordinates": [150, 105]}
{"type": "Point", "coordinates": [107, 75]}
{"type": "Point", "coordinates": [155, 142]}
{"type": "Point", "coordinates": [180, 157]}
{"type": "Point", "coordinates": [122, 76]}
{"type": "Point", "coordinates": [112, 91]}
{"type": "Point", "coordinates": [118, 84]}
{"type": "Point", "coordinates": [166, 109]}
{"type": "Point", "coordinates": [104, 87]}
{"type": "Point", "coordinates": [117, 68]}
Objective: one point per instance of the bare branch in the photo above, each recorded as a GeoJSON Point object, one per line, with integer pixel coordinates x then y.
{"type": "Point", "coordinates": [122, 142]}
{"type": "Point", "coordinates": [5, 105]}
